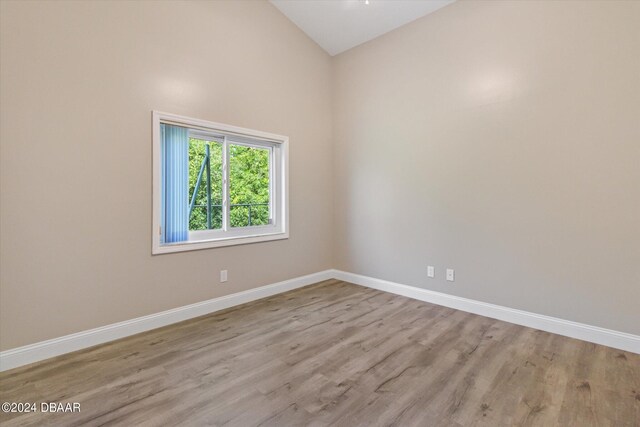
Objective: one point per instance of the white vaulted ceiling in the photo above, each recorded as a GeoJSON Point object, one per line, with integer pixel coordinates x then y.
{"type": "Point", "coordinates": [338, 25]}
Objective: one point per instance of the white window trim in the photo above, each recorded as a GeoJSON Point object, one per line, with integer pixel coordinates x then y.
{"type": "Point", "coordinates": [239, 236]}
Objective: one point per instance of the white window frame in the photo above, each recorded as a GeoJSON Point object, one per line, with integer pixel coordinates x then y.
{"type": "Point", "coordinates": [278, 229]}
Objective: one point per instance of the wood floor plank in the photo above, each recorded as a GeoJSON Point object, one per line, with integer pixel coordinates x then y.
{"type": "Point", "coordinates": [335, 354]}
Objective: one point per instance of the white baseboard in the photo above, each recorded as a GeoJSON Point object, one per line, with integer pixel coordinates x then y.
{"type": "Point", "coordinates": [594, 334]}
{"type": "Point", "coordinates": [20, 356]}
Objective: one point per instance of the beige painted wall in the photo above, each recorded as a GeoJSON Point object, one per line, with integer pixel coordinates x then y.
{"type": "Point", "coordinates": [78, 83]}
{"type": "Point", "coordinates": [501, 139]}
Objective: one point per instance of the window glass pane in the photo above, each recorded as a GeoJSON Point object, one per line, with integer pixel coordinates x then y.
{"type": "Point", "coordinates": [204, 216]}
{"type": "Point", "coordinates": [249, 185]}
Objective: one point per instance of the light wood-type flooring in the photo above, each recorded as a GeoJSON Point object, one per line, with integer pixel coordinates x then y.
{"type": "Point", "coordinates": [335, 354]}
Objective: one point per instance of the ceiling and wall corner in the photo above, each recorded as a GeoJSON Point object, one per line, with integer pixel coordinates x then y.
{"type": "Point", "coordinates": [340, 25]}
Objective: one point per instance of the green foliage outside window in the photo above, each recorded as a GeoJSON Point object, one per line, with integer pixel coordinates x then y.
{"type": "Point", "coordinates": [248, 185]}
{"type": "Point", "coordinates": [198, 219]}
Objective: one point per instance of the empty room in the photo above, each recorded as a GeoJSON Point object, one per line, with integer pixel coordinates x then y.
{"type": "Point", "coordinates": [320, 213]}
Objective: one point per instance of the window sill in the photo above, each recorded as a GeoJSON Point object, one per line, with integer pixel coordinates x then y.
{"type": "Point", "coordinates": [218, 243]}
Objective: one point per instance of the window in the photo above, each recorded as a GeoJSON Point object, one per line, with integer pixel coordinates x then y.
{"type": "Point", "coordinates": [216, 185]}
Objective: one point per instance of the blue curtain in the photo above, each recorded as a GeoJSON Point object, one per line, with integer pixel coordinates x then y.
{"type": "Point", "coordinates": [175, 183]}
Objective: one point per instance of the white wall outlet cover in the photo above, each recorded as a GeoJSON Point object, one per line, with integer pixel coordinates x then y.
{"type": "Point", "coordinates": [223, 275]}
{"type": "Point", "coordinates": [450, 274]}
{"type": "Point", "coordinates": [431, 271]}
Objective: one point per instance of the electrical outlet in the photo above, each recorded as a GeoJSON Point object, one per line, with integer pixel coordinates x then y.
{"type": "Point", "coordinates": [450, 274]}
{"type": "Point", "coordinates": [431, 271]}
{"type": "Point", "coordinates": [223, 276]}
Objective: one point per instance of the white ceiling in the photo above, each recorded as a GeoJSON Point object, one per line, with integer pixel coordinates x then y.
{"type": "Point", "coordinates": [338, 25]}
